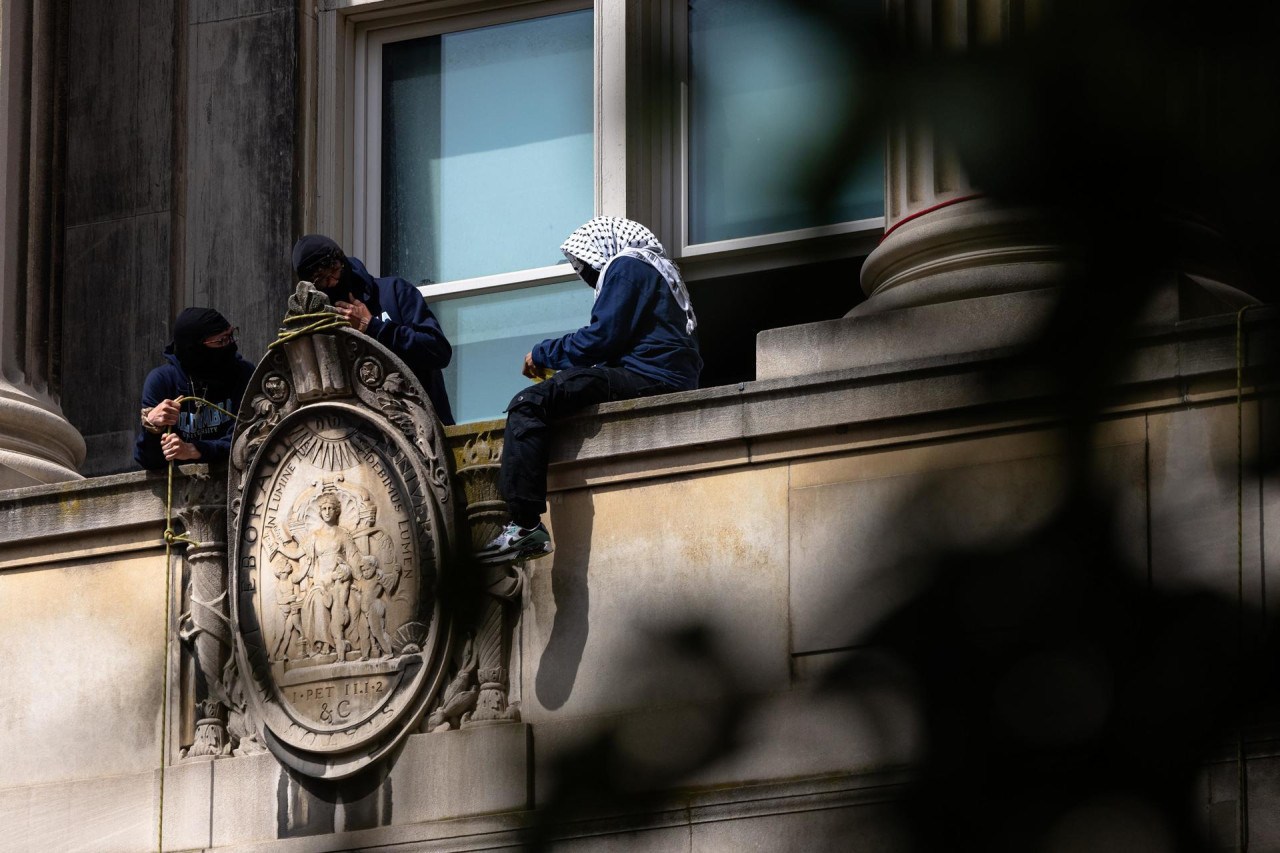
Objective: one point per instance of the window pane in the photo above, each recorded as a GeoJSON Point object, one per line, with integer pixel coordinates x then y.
{"type": "Point", "coordinates": [491, 334]}
{"type": "Point", "coordinates": [486, 148]}
{"type": "Point", "coordinates": [766, 87]}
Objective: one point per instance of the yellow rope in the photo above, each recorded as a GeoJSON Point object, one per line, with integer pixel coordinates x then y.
{"type": "Point", "coordinates": [170, 538]}
{"type": "Point", "coordinates": [322, 321]}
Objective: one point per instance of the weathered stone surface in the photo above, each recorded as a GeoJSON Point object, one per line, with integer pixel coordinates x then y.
{"type": "Point", "coordinates": [799, 734]}
{"type": "Point", "coordinates": [867, 827]}
{"type": "Point", "coordinates": [660, 840]}
{"type": "Point", "coordinates": [635, 561]}
{"type": "Point", "coordinates": [1269, 425]}
{"type": "Point", "coordinates": [50, 524]}
{"type": "Point", "coordinates": [473, 771]}
{"type": "Point", "coordinates": [120, 178]}
{"type": "Point", "coordinates": [188, 795]}
{"type": "Point", "coordinates": [241, 135]}
{"type": "Point", "coordinates": [208, 11]}
{"type": "Point", "coordinates": [1193, 502]}
{"type": "Point", "coordinates": [846, 576]}
{"type": "Point", "coordinates": [86, 660]}
{"type": "Point", "coordinates": [968, 325]}
{"type": "Point", "coordinates": [244, 806]}
{"type": "Point", "coordinates": [103, 376]}
{"type": "Point", "coordinates": [108, 452]}
{"type": "Point", "coordinates": [119, 110]}
{"type": "Point", "coordinates": [111, 815]}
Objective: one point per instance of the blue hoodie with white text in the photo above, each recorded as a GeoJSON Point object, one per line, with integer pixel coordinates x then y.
{"type": "Point", "coordinates": [207, 428]}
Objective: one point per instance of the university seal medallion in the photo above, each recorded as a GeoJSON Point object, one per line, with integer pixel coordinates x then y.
{"type": "Point", "coordinates": [342, 530]}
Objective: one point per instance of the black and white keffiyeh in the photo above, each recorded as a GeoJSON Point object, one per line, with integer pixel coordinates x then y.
{"type": "Point", "coordinates": [606, 238]}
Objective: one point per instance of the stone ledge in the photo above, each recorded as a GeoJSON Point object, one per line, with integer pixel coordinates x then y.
{"type": "Point", "coordinates": [113, 506]}
{"type": "Point", "coordinates": [682, 811]}
{"type": "Point", "coordinates": [1167, 366]}
{"type": "Point", "coordinates": [734, 424]}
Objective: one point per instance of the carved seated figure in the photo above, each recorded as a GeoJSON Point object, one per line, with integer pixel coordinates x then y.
{"type": "Point", "coordinates": [329, 555]}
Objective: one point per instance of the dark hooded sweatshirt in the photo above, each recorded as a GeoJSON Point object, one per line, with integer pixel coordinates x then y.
{"type": "Point", "coordinates": [404, 324]}
{"type": "Point", "coordinates": [636, 324]}
{"type": "Point", "coordinates": [208, 429]}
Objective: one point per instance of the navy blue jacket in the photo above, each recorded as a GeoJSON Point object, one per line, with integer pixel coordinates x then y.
{"type": "Point", "coordinates": [208, 429]}
{"type": "Point", "coordinates": [635, 323]}
{"type": "Point", "coordinates": [404, 324]}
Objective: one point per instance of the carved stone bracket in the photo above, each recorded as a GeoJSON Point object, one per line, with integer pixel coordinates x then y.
{"type": "Point", "coordinates": [204, 628]}
{"type": "Point", "coordinates": [479, 463]}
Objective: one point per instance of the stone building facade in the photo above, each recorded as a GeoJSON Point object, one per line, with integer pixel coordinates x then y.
{"type": "Point", "coordinates": [719, 553]}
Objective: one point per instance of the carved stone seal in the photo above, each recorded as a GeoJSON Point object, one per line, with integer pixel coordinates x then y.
{"type": "Point", "coordinates": [342, 531]}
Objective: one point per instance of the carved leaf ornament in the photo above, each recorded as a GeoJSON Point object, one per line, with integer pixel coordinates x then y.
{"type": "Point", "coordinates": [342, 529]}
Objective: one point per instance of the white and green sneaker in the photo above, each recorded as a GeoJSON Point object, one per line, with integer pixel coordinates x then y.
{"type": "Point", "coordinates": [516, 544]}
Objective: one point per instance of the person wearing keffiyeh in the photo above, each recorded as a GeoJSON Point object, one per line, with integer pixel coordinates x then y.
{"type": "Point", "coordinates": [641, 341]}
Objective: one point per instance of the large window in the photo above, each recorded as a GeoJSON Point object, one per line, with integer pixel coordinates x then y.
{"type": "Point", "coordinates": [486, 147]}
{"type": "Point", "coordinates": [459, 143]}
{"type": "Point", "coordinates": [484, 136]}
{"type": "Point", "coordinates": [491, 332]}
{"type": "Point", "coordinates": [767, 92]}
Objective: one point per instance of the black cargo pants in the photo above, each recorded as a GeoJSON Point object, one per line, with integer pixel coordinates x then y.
{"type": "Point", "coordinates": [526, 445]}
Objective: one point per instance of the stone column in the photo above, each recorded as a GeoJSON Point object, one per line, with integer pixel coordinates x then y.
{"type": "Point", "coordinates": [945, 241]}
{"type": "Point", "coordinates": [37, 444]}
{"type": "Point", "coordinates": [956, 271]}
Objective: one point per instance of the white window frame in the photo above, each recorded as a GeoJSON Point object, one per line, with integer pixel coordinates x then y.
{"type": "Point", "coordinates": [352, 34]}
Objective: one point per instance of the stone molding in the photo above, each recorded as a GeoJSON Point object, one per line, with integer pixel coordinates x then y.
{"type": "Point", "coordinates": [1187, 363]}
{"type": "Point", "coordinates": [970, 249]}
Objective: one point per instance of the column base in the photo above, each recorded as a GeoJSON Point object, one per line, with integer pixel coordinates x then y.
{"type": "Point", "coordinates": [904, 334]}
{"type": "Point", "coordinates": [973, 248]}
{"type": "Point", "coordinates": [37, 444]}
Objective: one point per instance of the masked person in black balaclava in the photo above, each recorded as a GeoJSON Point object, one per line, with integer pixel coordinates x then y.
{"type": "Point", "coordinates": [389, 310]}
{"type": "Point", "coordinates": [201, 361]}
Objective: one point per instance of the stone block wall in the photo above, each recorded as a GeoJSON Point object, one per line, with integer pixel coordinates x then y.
{"type": "Point", "coordinates": [181, 190]}
{"type": "Point", "coordinates": [778, 528]}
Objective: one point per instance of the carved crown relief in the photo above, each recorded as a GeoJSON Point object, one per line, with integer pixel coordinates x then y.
{"type": "Point", "coordinates": [342, 528]}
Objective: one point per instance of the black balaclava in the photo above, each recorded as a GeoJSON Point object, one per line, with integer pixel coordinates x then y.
{"type": "Point", "coordinates": [316, 251]}
{"type": "Point", "coordinates": [193, 327]}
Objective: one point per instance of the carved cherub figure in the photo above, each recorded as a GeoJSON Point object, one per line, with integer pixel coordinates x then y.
{"type": "Point", "coordinates": [377, 580]}
{"type": "Point", "coordinates": [373, 610]}
{"type": "Point", "coordinates": [289, 600]}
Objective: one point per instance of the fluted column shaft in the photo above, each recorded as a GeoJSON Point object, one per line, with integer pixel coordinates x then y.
{"type": "Point", "coordinates": [944, 240]}
{"type": "Point", "coordinates": [37, 443]}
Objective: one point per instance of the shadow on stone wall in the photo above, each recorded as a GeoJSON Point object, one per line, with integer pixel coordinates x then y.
{"type": "Point", "coordinates": [571, 589]}
{"type": "Point", "coordinates": [1064, 700]}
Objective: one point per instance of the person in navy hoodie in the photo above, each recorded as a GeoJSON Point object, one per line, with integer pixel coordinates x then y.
{"type": "Point", "coordinates": [640, 341]}
{"type": "Point", "coordinates": [201, 361]}
{"type": "Point", "coordinates": [389, 310]}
